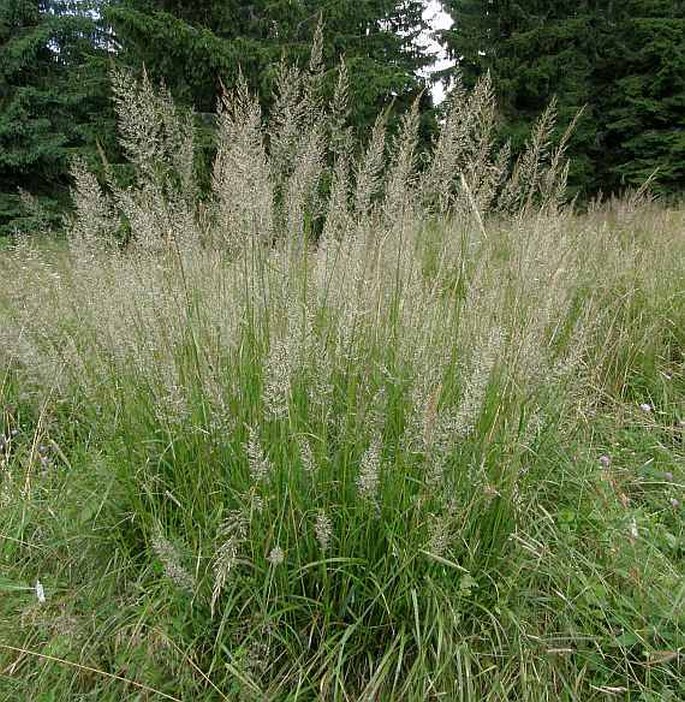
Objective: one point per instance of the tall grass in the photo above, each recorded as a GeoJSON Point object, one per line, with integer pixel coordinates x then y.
{"type": "Point", "coordinates": [359, 426]}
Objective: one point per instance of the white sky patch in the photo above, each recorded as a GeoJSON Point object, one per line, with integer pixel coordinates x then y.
{"type": "Point", "coordinates": [437, 19]}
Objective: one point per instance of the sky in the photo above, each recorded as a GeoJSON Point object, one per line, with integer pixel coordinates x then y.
{"type": "Point", "coordinates": [437, 18]}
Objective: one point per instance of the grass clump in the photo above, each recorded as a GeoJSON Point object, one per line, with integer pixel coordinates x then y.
{"type": "Point", "coordinates": [358, 426]}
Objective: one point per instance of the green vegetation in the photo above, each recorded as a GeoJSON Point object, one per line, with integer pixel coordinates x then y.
{"type": "Point", "coordinates": [213, 41]}
{"type": "Point", "coordinates": [417, 435]}
{"type": "Point", "coordinates": [56, 56]}
{"type": "Point", "coordinates": [623, 60]}
{"type": "Point", "coordinates": [54, 104]}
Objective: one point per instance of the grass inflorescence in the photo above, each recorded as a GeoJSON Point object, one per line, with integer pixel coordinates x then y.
{"type": "Point", "coordinates": [363, 424]}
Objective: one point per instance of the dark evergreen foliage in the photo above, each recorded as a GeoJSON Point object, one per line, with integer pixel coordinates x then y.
{"type": "Point", "coordinates": [640, 94]}
{"type": "Point", "coordinates": [624, 61]}
{"type": "Point", "coordinates": [53, 104]}
{"type": "Point", "coordinates": [195, 47]}
{"type": "Point", "coordinates": [55, 57]}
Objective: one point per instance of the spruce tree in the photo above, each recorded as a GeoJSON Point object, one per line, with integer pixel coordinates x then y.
{"type": "Point", "coordinates": [624, 61]}
{"type": "Point", "coordinates": [640, 93]}
{"type": "Point", "coordinates": [535, 51]}
{"type": "Point", "coordinates": [53, 96]}
{"type": "Point", "coordinates": [197, 47]}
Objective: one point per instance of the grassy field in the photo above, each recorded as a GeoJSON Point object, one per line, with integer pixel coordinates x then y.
{"type": "Point", "coordinates": [418, 435]}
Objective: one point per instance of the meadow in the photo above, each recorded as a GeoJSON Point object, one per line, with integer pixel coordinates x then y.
{"type": "Point", "coordinates": [377, 426]}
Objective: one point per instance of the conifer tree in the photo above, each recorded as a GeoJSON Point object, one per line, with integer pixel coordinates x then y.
{"type": "Point", "coordinates": [640, 92]}
{"type": "Point", "coordinates": [53, 94]}
{"type": "Point", "coordinates": [197, 47]}
{"type": "Point", "coordinates": [624, 61]}
{"type": "Point", "coordinates": [535, 51]}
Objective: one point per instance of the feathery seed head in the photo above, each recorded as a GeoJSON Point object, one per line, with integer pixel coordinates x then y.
{"type": "Point", "coordinates": [323, 530]}
{"type": "Point", "coordinates": [231, 535]}
{"type": "Point", "coordinates": [632, 529]}
{"type": "Point", "coordinates": [439, 536]}
{"type": "Point", "coordinates": [307, 456]}
{"type": "Point", "coordinates": [258, 462]}
{"type": "Point", "coordinates": [476, 384]}
{"type": "Point", "coordinates": [171, 562]}
{"type": "Point", "coordinates": [368, 479]}
{"type": "Point", "coordinates": [276, 556]}
{"type": "Point", "coordinates": [277, 373]}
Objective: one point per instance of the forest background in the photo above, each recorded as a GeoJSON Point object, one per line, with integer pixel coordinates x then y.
{"type": "Point", "coordinates": [623, 64]}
